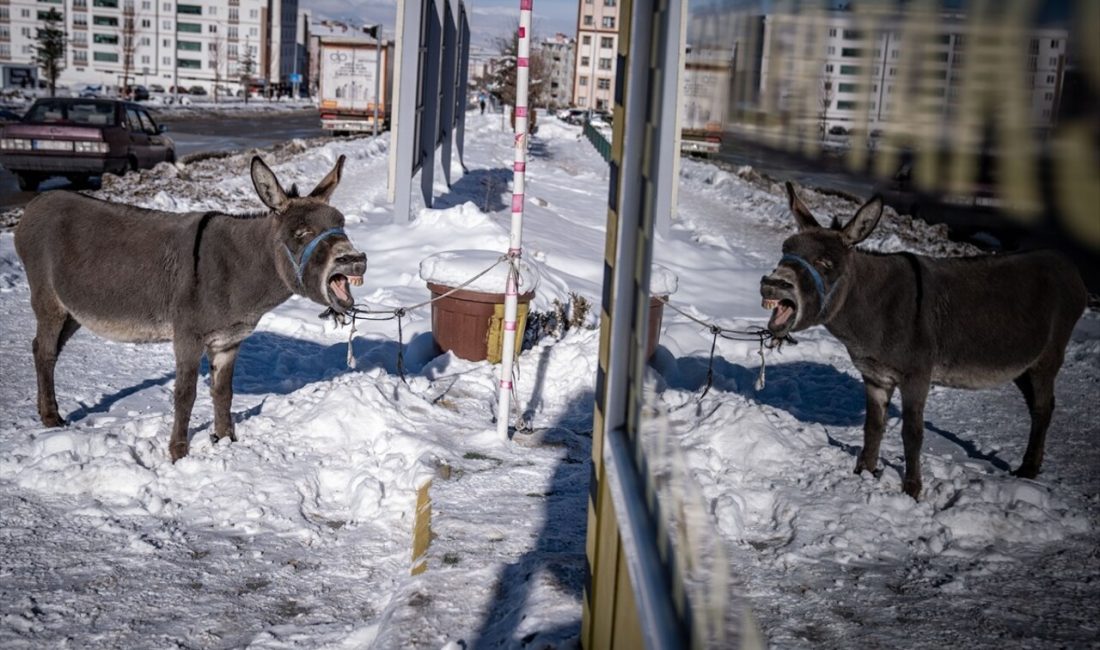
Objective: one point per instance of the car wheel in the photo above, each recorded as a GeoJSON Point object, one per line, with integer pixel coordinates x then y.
{"type": "Point", "coordinates": [79, 181]}
{"type": "Point", "coordinates": [170, 157]}
{"type": "Point", "coordinates": [133, 165]}
{"type": "Point", "coordinates": [27, 182]}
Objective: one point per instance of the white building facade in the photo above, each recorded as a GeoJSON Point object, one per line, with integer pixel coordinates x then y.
{"type": "Point", "coordinates": [597, 44]}
{"type": "Point", "coordinates": [185, 43]}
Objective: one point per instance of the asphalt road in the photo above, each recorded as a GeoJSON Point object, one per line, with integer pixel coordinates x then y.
{"type": "Point", "coordinates": [194, 134]}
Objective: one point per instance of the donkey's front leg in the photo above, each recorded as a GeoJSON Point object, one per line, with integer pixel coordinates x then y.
{"type": "Point", "coordinates": [188, 355]}
{"type": "Point", "coordinates": [222, 362]}
{"type": "Point", "coordinates": [878, 400]}
{"type": "Point", "coordinates": [913, 395]}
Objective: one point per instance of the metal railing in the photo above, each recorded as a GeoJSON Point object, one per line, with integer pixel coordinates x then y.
{"type": "Point", "coordinates": [602, 144]}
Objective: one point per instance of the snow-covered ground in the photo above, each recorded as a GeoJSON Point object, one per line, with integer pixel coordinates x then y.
{"type": "Point", "coordinates": [299, 535]}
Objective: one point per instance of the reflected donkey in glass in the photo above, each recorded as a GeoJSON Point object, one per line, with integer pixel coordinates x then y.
{"type": "Point", "coordinates": [910, 321]}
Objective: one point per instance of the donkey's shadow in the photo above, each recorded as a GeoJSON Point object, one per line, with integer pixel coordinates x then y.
{"type": "Point", "coordinates": [813, 393]}
{"type": "Point", "coordinates": [272, 364]}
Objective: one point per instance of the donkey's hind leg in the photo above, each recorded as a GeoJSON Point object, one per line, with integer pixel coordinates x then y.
{"type": "Point", "coordinates": [1037, 385]}
{"type": "Point", "coordinates": [55, 328]}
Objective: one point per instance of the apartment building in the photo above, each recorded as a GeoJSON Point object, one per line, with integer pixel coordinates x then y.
{"type": "Point", "coordinates": [169, 42]}
{"type": "Point", "coordinates": [558, 53]}
{"type": "Point", "coordinates": [597, 43]}
{"type": "Point", "coordinates": [877, 74]}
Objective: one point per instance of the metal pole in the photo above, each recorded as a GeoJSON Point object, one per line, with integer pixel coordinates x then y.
{"type": "Point", "coordinates": [515, 244]}
{"type": "Point", "coordinates": [377, 72]}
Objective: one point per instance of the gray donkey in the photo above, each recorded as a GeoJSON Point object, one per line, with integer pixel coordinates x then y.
{"type": "Point", "coordinates": [909, 321]}
{"type": "Point", "coordinates": [200, 280]}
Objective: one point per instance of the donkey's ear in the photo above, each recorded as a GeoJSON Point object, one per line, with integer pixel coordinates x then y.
{"type": "Point", "coordinates": [267, 186]}
{"type": "Point", "coordinates": [864, 222]}
{"type": "Point", "coordinates": [328, 184]}
{"type": "Point", "coordinates": [801, 213]}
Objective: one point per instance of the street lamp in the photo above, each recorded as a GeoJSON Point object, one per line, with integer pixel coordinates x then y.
{"type": "Point", "coordinates": [375, 32]}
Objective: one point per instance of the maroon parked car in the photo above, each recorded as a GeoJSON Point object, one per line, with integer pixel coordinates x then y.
{"type": "Point", "coordinates": [78, 138]}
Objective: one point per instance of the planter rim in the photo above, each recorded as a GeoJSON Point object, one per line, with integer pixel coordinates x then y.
{"type": "Point", "coordinates": [476, 296]}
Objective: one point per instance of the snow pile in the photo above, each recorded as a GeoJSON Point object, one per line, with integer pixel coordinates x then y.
{"type": "Point", "coordinates": [299, 535]}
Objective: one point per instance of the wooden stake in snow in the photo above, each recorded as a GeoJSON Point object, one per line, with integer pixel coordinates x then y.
{"type": "Point", "coordinates": [515, 245]}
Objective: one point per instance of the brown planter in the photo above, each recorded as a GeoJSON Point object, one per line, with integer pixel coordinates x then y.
{"type": "Point", "coordinates": [656, 314]}
{"type": "Point", "coordinates": [471, 323]}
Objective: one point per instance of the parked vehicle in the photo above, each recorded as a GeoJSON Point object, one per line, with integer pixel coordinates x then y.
{"type": "Point", "coordinates": [172, 90]}
{"type": "Point", "coordinates": [7, 116]}
{"type": "Point", "coordinates": [137, 93]}
{"type": "Point", "coordinates": [198, 90]}
{"type": "Point", "coordinates": [92, 91]}
{"type": "Point", "coordinates": [78, 138]}
{"type": "Point", "coordinates": [156, 88]}
{"type": "Point", "coordinates": [347, 83]}
{"type": "Point", "coordinates": [838, 130]}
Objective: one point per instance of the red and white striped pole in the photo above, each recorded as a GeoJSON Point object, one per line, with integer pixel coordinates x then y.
{"type": "Point", "coordinates": [515, 244]}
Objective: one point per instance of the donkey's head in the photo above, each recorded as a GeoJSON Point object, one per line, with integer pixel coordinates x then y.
{"type": "Point", "coordinates": [815, 263]}
{"type": "Point", "coordinates": [316, 258]}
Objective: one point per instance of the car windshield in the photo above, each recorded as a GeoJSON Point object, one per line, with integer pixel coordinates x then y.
{"type": "Point", "coordinates": [89, 112]}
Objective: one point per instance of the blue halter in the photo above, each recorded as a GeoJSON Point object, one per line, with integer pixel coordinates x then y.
{"type": "Point", "coordinates": [300, 264]}
{"type": "Point", "coordinates": [819, 282]}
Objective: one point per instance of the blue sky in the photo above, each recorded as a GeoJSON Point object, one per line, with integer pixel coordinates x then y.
{"type": "Point", "coordinates": [488, 18]}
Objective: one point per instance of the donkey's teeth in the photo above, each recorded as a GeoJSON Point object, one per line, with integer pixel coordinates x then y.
{"type": "Point", "coordinates": [356, 280]}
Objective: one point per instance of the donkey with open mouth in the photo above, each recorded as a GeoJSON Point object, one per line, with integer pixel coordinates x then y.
{"type": "Point", "coordinates": [909, 321]}
{"type": "Point", "coordinates": [200, 280]}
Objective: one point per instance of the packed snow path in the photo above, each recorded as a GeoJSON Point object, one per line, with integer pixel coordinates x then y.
{"type": "Point", "coordinates": [299, 534]}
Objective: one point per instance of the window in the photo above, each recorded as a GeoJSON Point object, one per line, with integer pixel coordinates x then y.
{"type": "Point", "coordinates": [25, 13]}
{"type": "Point", "coordinates": [80, 56]}
{"type": "Point", "coordinates": [105, 39]}
{"type": "Point", "coordinates": [609, 3]}
{"type": "Point", "coordinates": [586, 61]}
{"type": "Point", "coordinates": [146, 23]}
{"type": "Point", "coordinates": [111, 4]}
{"type": "Point", "coordinates": [851, 69]}
{"type": "Point", "coordinates": [848, 88]}
{"type": "Point", "coordinates": [193, 28]}
{"type": "Point", "coordinates": [167, 6]}
{"type": "Point", "coordinates": [193, 10]}
{"type": "Point", "coordinates": [146, 5]}
{"type": "Point", "coordinates": [44, 15]}
{"type": "Point", "coordinates": [583, 81]}
{"type": "Point", "coordinates": [608, 22]}
{"type": "Point", "coordinates": [828, 67]}
{"type": "Point", "coordinates": [167, 60]}
{"type": "Point", "coordinates": [80, 20]}
{"type": "Point", "coordinates": [213, 29]}
{"type": "Point", "coordinates": [854, 52]}
{"type": "Point", "coordinates": [1055, 43]}
{"type": "Point", "coordinates": [190, 46]}
{"type": "Point", "coordinates": [108, 21]}
{"type": "Point", "coordinates": [231, 50]}
{"type": "Point", "coordinates": [832, 32]}
{"type": "Point", "coordinates": [607, 42]}
{"type": "Point", "coordinates": [588, 21]}
{"type": "Point", "coordinates": [586, 40]}
{"type": "Point", "coordinates": [109, 57]}
{"type": "Point", "coordinates": [190, 63]}
{"type": "Point", "coordinates": [603, 84]}
{"type": "Point", "coordinates": [146, 60]}
{"type": "Point", "coordinates": [234, 14]}
{"type": "Point", "coordinates": [853, 34]}
{"type": "Point", "coordinates": [167, 25]}
{"type": "Point", "coordinates": [605, 64]}
{"type": "Point", "coordinates": [254, 14]}
{"type": "Point", "coordinates": [213, 11]}
{"type": "Point", "coordinates": [231, 32]}
{"type": "Point", "coordinates": [832, 50]}
{"type": "Point", "coordinates": [846, 106]}
{"type": "Point", "coordinates": [1054, 60]}
{"type": "Point", "coordinates": [145, 41]}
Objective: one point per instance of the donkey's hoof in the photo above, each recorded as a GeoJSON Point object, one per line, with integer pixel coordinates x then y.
{"type": "Point", "coordinates": [215, 438]}
{"type": "Point", "coordinates": [177, 450]}
{"type": "Point", "coordinates": [1023, 471]}
{"type": "Point", "coordinates": [52, 420]}
{"type": "Point", "coordinates": [912, 487]}
{"type": "Point", "coordinates": [863, 466]}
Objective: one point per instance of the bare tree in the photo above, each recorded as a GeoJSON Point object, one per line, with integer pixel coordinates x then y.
{"type": "Point", "coordinates": [247, 67]}
{"type": "Point", "coordinates": [128, 45]}
{"type": "Point", "coordinates": [827, 93]}
{"type": "Point", "coordinates": [216, 53]}
{"type": "Point", "coordinates": [50, 48]}
{"type": "Point", "coordinates": [502, 81]}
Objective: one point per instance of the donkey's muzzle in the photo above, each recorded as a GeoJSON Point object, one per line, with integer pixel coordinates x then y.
{"type": "Point", "coordinates": [352, 263]}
